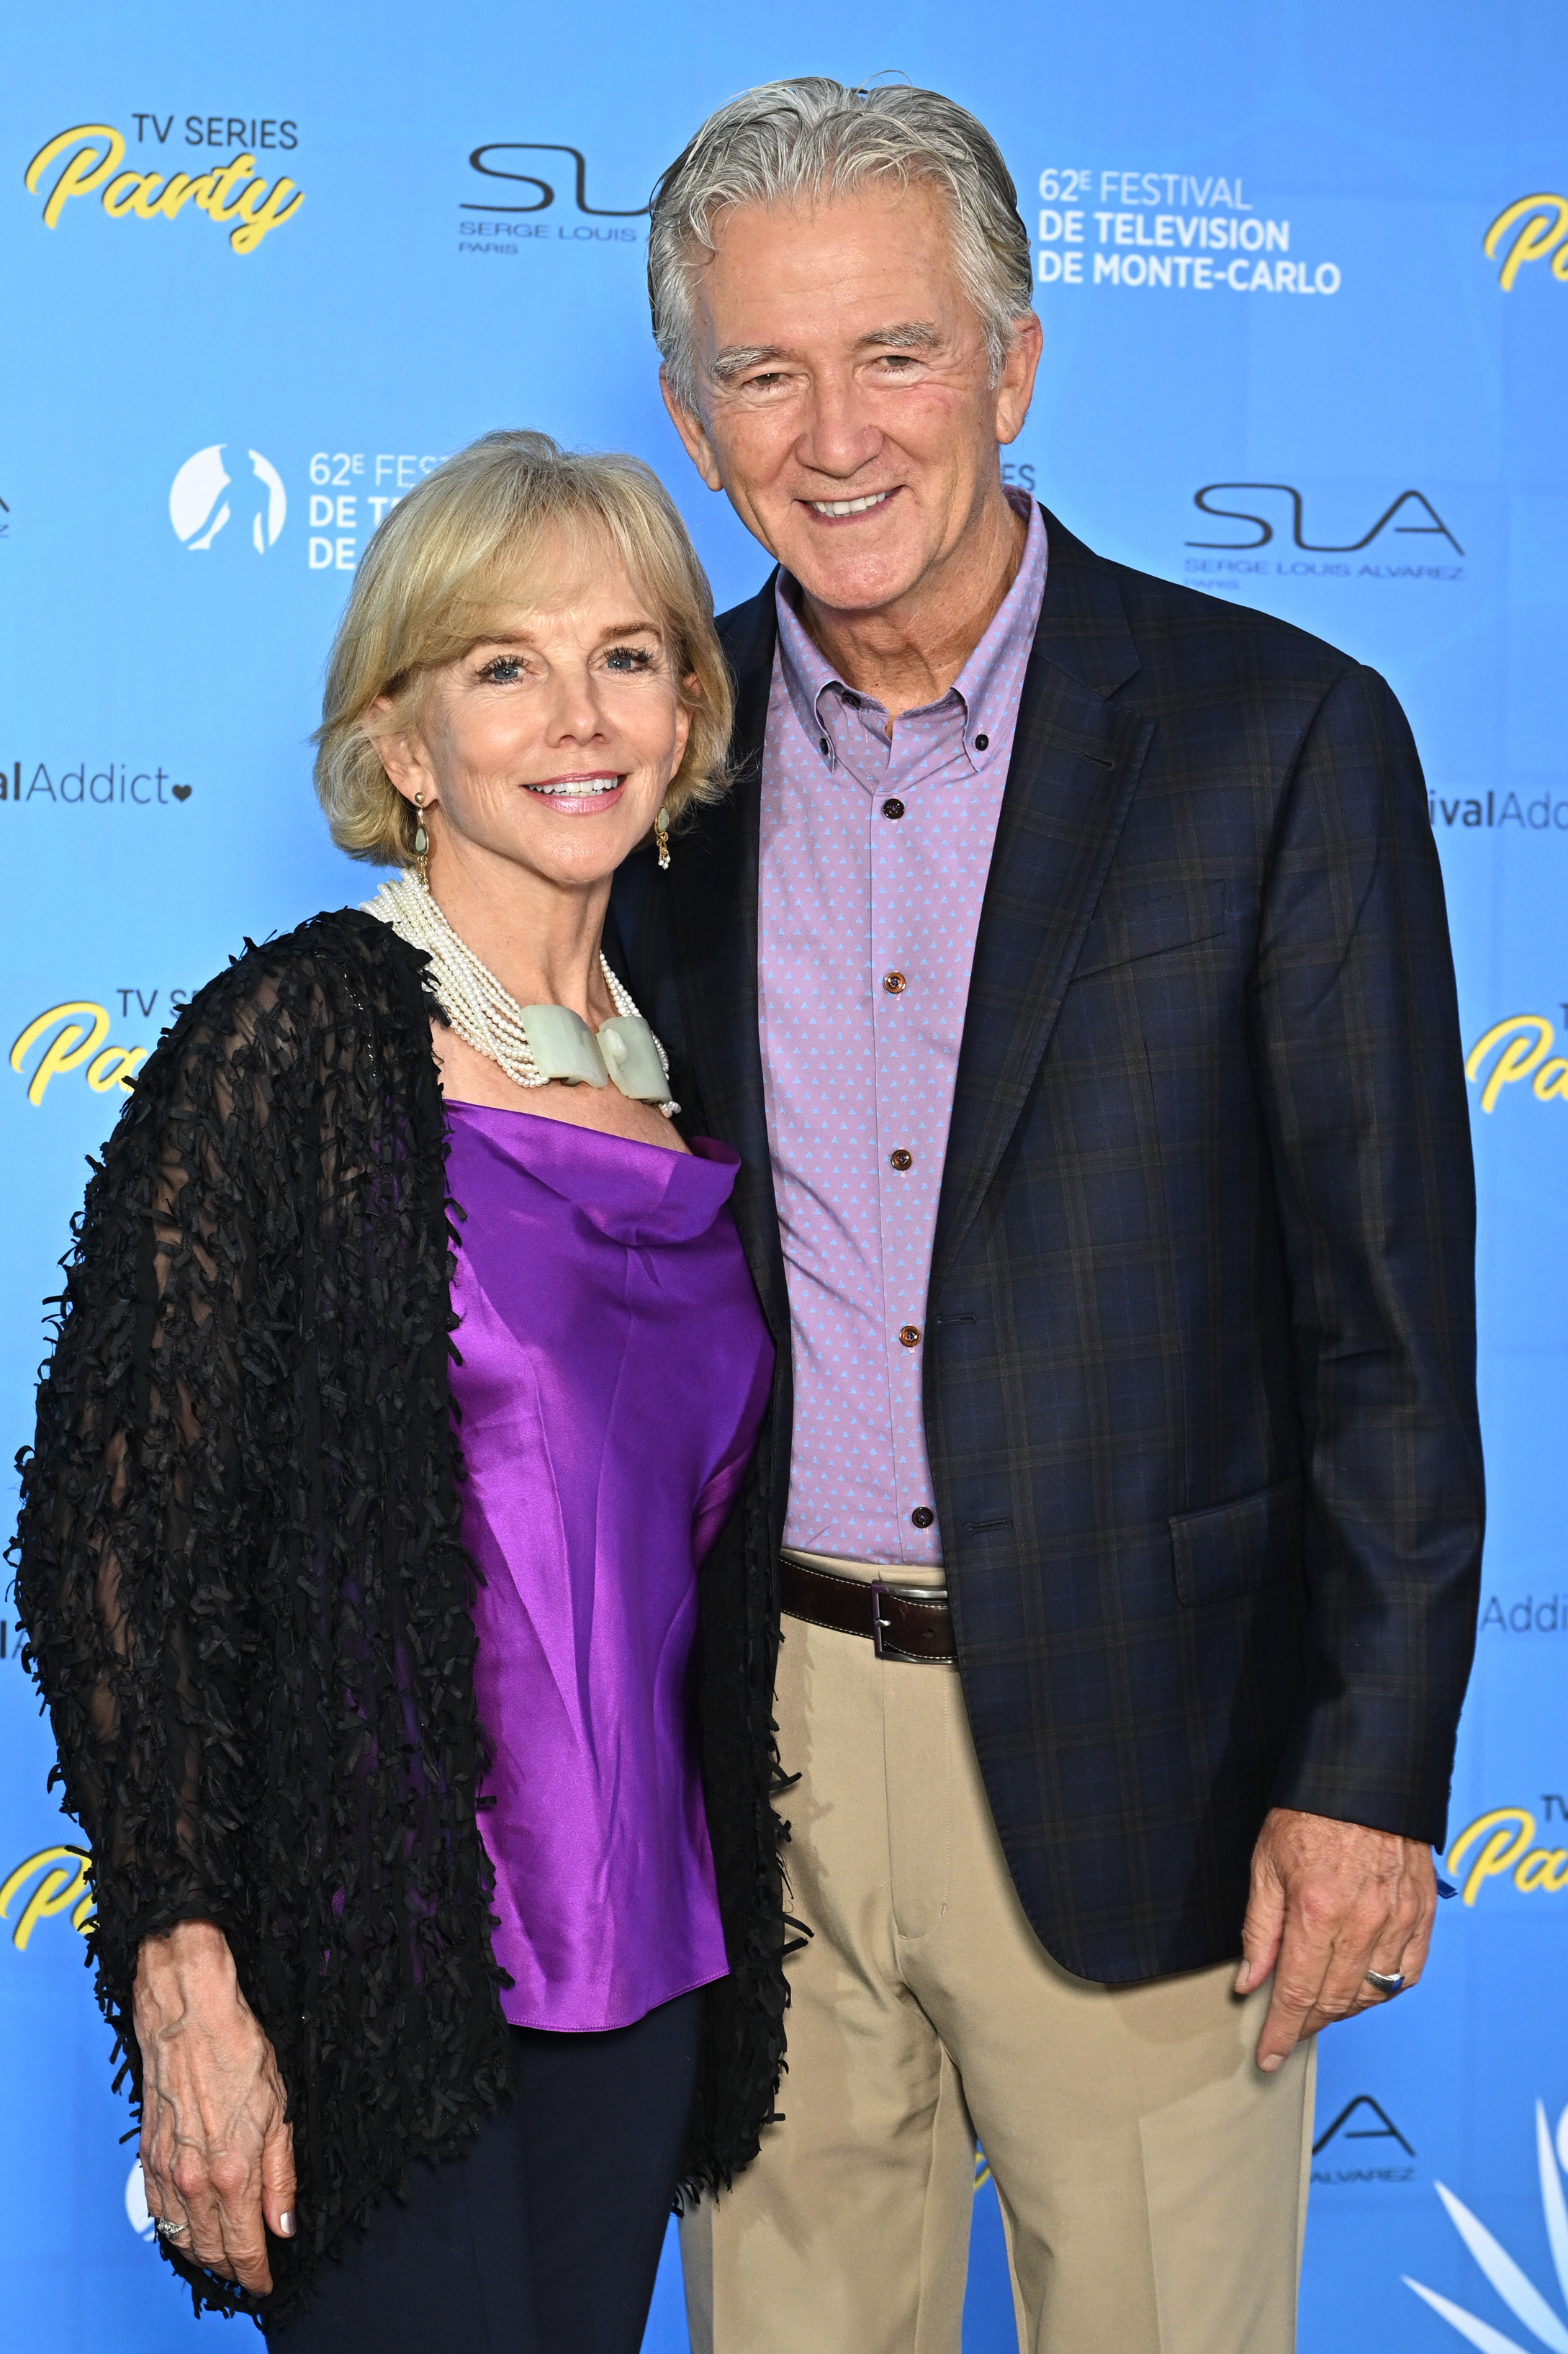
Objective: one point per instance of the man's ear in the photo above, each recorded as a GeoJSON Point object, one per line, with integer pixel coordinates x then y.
{"type": "Point", "coordinates": [694, 434]}
{"type": "Point", "coordinates": [1016, 386]}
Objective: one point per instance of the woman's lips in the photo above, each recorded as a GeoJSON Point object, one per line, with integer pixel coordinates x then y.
{"type": "Point", "coordinates": [583, 796]}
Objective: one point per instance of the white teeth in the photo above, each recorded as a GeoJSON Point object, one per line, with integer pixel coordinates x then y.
{"type": "Point", "coordinates": [577, 789]}
{"type": "Point", "coordinates": [850, 506]}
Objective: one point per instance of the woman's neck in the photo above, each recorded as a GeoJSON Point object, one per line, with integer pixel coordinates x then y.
{"type": "Point", "coordinates": [540, 940]}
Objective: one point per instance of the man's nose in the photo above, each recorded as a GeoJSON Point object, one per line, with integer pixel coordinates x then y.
{"type": "Point", "coordinates": [840, 436]}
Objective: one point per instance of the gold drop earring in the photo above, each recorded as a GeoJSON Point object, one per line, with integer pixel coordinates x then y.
{"type": "Point", "coordinates": [421, 839]}
{"type": "Point", "coordinates": [662, 836]}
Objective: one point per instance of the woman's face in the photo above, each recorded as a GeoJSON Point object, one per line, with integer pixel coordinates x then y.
{"type": "Point", "coordinates": [550, 745]}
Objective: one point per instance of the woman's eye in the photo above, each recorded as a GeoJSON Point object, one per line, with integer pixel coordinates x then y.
{"type": "Point", "coordinates": [628, 658]}
{"type": "Point", "coordinates": [502, 669]}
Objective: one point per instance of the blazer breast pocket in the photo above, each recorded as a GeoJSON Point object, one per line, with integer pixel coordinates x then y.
{"type": "Point", "coordinates": [1150, 920]}
{"type": "Point", "coordinates": [1233, 1549]}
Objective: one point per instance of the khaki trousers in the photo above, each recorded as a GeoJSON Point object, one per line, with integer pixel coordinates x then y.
{"type": "Point", "coordinates": [1152, 2182]}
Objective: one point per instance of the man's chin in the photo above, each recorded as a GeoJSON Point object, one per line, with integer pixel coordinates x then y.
{"type": "Point", "coordinates": [842, 582]}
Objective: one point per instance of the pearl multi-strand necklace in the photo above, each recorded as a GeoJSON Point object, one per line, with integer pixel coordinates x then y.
{"type": "Point", "coordinates": [478, 1008]}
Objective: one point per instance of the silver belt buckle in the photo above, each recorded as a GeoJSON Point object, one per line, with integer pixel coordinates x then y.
{"type": "Point", "coordinates": [880, 1626]}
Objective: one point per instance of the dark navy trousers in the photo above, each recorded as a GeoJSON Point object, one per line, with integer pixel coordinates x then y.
{"type": "Point", "coordinates": [544, 2239]}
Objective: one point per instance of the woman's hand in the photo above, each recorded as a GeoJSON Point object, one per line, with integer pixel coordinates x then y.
{"type": "Point", "coordinates": [218, 2154]}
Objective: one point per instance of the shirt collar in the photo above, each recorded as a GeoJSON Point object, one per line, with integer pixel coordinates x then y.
{"type": "Point", "coordinates": [809, 676]}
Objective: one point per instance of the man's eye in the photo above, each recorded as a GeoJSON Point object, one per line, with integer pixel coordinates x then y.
{"type": "Point", "coordinates": [628, 658]}
{"type": "Point", "coordinates": [765, 381]}
{"type": "Point", "coordinates": [502, 669]}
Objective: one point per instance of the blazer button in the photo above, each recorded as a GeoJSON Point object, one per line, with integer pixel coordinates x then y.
{"type": "Point", "coordinates": [910, 1335]}
{"type": "Point", "coordinates": [901, 1160]}
{"type": "Point", "coordinates": [922, 1516]}
{"type": "Point", "coordinates": [892, 808]}
{"type": "Point", "coordinates": [894, 983]}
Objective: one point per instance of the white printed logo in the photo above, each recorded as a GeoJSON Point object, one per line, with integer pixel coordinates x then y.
{"type": "Point", "coordinates": [199, 508]}
{"type": "Point", "coordinates": [1516, 2289]}
{"type": "Point", "coordinates": [136, 2213]}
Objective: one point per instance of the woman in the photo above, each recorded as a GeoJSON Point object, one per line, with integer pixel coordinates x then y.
{"type": "Point", "coordinates": [405, 1882]}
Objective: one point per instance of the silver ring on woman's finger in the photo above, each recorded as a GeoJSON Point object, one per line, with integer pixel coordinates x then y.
{"type": "Point", "coordinates": [1387, 1981]}
{"type": "Point", "coordinates": [169, 2231]}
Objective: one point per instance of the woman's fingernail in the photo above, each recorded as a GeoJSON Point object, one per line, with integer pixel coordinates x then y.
{"type": "Point", "coordinates": [286, 2224]}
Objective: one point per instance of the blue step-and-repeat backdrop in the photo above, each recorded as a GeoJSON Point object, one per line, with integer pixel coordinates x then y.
{"type": "Point", "coordinates": [1303, 270]}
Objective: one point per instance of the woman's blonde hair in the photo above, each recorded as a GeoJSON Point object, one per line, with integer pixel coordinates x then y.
{"type": "Point", "coordinates": [450, 561]}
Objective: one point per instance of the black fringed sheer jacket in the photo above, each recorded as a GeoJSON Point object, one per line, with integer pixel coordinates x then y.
{"type": "Point", "coordinates": [239, 1571]}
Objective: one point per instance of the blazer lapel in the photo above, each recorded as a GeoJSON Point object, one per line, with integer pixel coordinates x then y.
{"type": "Point", "coordinates": [714, 943]}
{"type": "Point", "coordinates": [1075, 767]}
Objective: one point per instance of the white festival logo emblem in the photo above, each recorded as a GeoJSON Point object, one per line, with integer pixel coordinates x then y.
{"type": "Point", "coordinates": [136, 2212]}
{"type": "Point", "coordinates": [199, 510]}
{"type": "Point", "coordinates": [1518, 2292]}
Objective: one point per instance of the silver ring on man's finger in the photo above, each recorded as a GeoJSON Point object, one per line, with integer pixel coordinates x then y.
{"type": "Point", "coordinates": [1387, 1981]}
{"type": "Point", "coordinates": [169, 2231]}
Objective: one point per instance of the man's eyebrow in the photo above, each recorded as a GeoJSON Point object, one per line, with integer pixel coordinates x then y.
{"type": "Point", "coordinates": [906, 335]}
{"type": "Point", "coordinates": [903, 335]}
{"type": "Point", "coordinates": [736, 358]}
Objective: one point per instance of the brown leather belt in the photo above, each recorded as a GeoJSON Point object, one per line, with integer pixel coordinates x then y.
{"type": "Point", "coordinates": [898, 1626]}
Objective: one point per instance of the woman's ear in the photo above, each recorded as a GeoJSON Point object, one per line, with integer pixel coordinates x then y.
{"type": "Point", "coordinates": [691, 691]}
{"type": "Point", "coordinates": [402, 755]}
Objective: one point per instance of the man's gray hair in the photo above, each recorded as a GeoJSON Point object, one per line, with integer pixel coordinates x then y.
{"type": "Point", "coordinates": [793, 141]}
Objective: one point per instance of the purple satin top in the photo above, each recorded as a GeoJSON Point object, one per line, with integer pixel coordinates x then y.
{"type": "Point", "coordinates": [614, 1370]}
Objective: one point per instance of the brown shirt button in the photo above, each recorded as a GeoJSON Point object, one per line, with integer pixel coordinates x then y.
{"type": "Point", "coordinates": [901, 1160]}
{"type": "Point", "coordinates": [892, 808]}
{"type": "Point", "coordinates": [894, 983]}
{"type": "Point", "coordinates": [910, 1335]}
{"type": "Point", "coordinates": [922, 1516]}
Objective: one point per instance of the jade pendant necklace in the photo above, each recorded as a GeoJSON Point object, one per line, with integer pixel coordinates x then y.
{"type": "Point", "coordinates": [534, 1044]}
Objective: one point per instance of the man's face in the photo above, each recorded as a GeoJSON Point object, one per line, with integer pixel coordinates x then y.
{"type": "Point", "coordinates": [845, 394]}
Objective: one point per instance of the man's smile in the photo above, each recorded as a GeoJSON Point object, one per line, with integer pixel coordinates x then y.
{"type": "Point", "coordinates": [835, 510]}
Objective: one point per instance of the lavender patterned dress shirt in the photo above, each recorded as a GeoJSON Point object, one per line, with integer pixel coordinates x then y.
{"type": "Point", "coordinates": [873, 864]}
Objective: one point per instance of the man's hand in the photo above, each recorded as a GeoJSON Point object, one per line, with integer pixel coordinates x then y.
{"type": "Point", "coordinates": [218, 2153]}
{"type": "Point", "coordinates": [1329, 1901]}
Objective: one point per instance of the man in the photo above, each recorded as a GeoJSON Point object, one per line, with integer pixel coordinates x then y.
{"type": "Point", "coordinates": [1069, 968]}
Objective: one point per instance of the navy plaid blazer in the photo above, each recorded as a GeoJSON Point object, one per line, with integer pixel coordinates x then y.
{"type": "Point", "coordinates": [1198, 1382]}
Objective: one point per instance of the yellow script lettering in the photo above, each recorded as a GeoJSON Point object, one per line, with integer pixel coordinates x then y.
{"type": "Point", "coordinates": [69, 1047]}
{"type": "Point", "coordinates": [223, 184]}
{"type": "Point", "coordinates": [120, 197]}
{"type": "Point", "coordinates": [1539, 1869]}
{"type": "Point", "coordinates": [147, 203]}
{"type": "Point", "coordinates": [1518, 1058]}
{"type": "Point", "coordinates": [1507, 1832]}
{"type": "Point", "coordinates": [64, 1886]}
{"type": "Point", "coordinates": [1551, 1079]}
{"type": "Point", "coordinates": [183, 190]}
{"type": "Point", "coordinates": [230, 194]}
{"type": "Point", "coordinates": [113, 1068]}
{"type": "Point", "coordinates": [257, 216]}
{"type": "Point", "coordinates": [1544, 223]}
{"type": "Point", "coordinates": [81, 172]}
